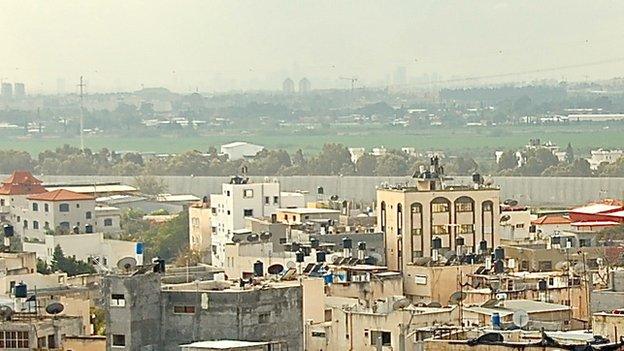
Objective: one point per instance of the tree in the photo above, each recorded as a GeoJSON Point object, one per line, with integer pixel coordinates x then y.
{"type": "Point", "coordinates": [334, 159]}
{"type": "Point", "coordinates": [150, 185]}
{"type": "Point", "coordinates": [11, 160]}
{"type": "Point", "coordinates": [365, 165]}
{"type": "Point", "coordinates": [165, 240]}
{"type": "Point", "coordinates": [69, 265]}
{"type": "Point", "coordinates": [508, 160]}
{"type": "Point", "coordinates": [391, 165]}
{"type": "Point", "coordinates": [569, 153]}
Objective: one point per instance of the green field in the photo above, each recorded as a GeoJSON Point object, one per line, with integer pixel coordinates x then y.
{"type": "Point", "coordinates": [582, 137]}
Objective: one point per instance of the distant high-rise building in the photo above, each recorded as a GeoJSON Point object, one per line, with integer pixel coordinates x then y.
{"type": "Point", "coordinates": [7, 90]}
{"type": "Point", "coordinates": [288, 86]}
{"type": "Point", "coordinates": [19, 90]}
{"type": "Point", "coordinates": [304, 85]}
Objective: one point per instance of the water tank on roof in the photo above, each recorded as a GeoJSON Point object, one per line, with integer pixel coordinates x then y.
{"type": "Point", "coordinates": [499, 267]}
{"type": "Point", "coordinates": [347, 243]}
{"type": "Point", "coordinates": [258, 269]}
{"type": "Point", "coordinates": [88, 229]}
{"type": "Point", "coordinates": [555, 240]}
{"type": "Point", "coordinates": [459, 241]}
{"type": "Point", "coordinates": [21, 290]}
{"type": "Point", "coordinates": [483, 246]}
{"type": "Point", "coordinates": [314, 243]}
{"type": "Point", "coordinates": [320, 256]}
{"type": "Point", "coordinates": [362, 245]}
{"type": "Point", "coordinates": [159, 265]}
{"type": "Point", "coordinates": [76, 229]}
{"type": "Point", "coordinates": [542, 285]}
{"type": "Point", "coordinates": [8, 230]}
{"type": "Point", "coordinates": [499, 253]}
{"type": "Point", "coordinates": [295, 246]}
{"type": "Point", "coordinates": [436, 243]}
{"type": "Point", "coordinates": [299, 256]}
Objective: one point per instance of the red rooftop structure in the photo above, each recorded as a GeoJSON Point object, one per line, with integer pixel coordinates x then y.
{"type": "Point", "coordinates": [21, 183]}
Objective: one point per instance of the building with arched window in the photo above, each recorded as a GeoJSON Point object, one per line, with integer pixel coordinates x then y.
{"type": "Point", "coordinates": [463, 217]}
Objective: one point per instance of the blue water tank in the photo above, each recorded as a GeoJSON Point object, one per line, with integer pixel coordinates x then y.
{"type": "Point", "coordinates": [21, 290]}
{"type": "Point", "coordinates": [496, 320]}
{"type": "Point", "coordinates": [328, 278]}
{"type": "Point", "coordinates": [140, 248]}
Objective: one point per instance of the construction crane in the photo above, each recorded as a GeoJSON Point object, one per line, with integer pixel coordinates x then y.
{"type": "Point", "coordinates": [353, 81]}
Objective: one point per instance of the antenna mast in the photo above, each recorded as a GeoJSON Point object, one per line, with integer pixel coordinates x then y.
{"type": "Point", "coordinates": [81, 85]}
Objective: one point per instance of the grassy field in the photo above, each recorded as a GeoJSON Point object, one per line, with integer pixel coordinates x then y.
{"type": "Point", "coordinates": [582, 137]}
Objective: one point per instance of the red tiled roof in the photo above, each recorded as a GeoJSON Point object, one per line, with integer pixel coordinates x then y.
{"type": "Point", "coordinates": [61, 195]}
{"type": "Point", "coordinates": [21, 183]}
{"type": "Point", "coordinates": [552, 220]}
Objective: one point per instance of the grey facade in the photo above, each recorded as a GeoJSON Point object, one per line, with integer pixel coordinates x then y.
{"type": "Point", "coordinates": [612, 298]}
{"type": "Point", "coordinates": [162, 318]}
{"type": "Point", "coordinates": [534, 191]}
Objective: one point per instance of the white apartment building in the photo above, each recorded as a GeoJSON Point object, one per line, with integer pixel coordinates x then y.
{"type": "Point", "coordinates": [240, 149]}
{"type": "Point", "coordinates": [515, 222]}
{"type": "Point", "coordinates": [603, 156]}
{"type": "Point", "coordinates": [240, 199]}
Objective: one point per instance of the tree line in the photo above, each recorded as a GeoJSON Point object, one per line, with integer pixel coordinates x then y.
{"type": "Point", "coordinates": [333, 159]}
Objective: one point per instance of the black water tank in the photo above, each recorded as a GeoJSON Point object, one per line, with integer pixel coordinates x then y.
{"type": "Point", "coordinates": [499, 253]}
{"type": "Point", "coordinates": [436, 243]}
{"type": "Point", "coordinates": [314, 243]}
{"type": "Point", "coordinates": [370, 260]}
{"type": "Point", "coordinates": [483, 245]}
{"type": "Point", "coordinates": [299, 256]}
{"type": "Point", "coordinates": [76, 229]}
{"type": "Point", "coordinates": [295, 246]}
{"type": "Point", "coordinates": [320, 256]}
{"type": "Point", "coordinates": [499, 266]}
{"type": "Point", "coordinates": [159, 265]}
{"type": "Point", "coordinates": [459, 241]}
{"type": "Point", "coordinates": [542, 285]}
{"type": "Point", "coordinates": [476, 178]}
{"type": "Point", "coordinates": [347, 243]}
{"type": "Point", "coordinates": [555, 240]}
{"type": "Point", "coordinates": [362, 245]}
{"type": "Point", "coordinates": [258, 269]}
{"type": "Point", "coordinates": [21, 290]}
{"type": "Point", "coordinates": [88, 229]}
{"type": "Point", "coordinates": [320, 190]}
{"type": "Point", "coordinates": [8, 230]}
{"type": "Point", "coordinates": [306, 250]}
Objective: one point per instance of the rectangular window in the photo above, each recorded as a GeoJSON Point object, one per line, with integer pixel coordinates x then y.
{"type": "Point", "coordinates": [195, 222]}
{"type": "Point", "coordinates": [46, 208]}
{"type": "Point", "coordinates": [118, 300]}
{"type": "Point", "coordinates": [14, 340]}
{"type": "Point", "coordinates": [264, 318]}
{"type": "Point", "coordinates": [520, 225]}
{"type": "Point", "coordinates": [386, 337]}
{"type": "Point", "coordinates": [439, 208]}
{"type": "Point", "coordinates": [213, 210]}
{"type": "Point", "coordinates": [35, 225]}
{"type": "Point", "coordinates": [248, 193]}
{"type": "Point", "coordinates": [184, 309]}
{"type": "Point", "coordinates": [275, 200]}
{"type": "Point", "coordinates": [35, 207]}
{"type": "Point", "coordinates": [64, 208]}
{"type": "Point", "coordinates": [545, 266]}
{"type": "Point", "coordinates": [108, 222]}
{"type": "Point", "coordinates": [119, 340]}
{"type": "Point", "coordinates": [88, 215]}
{"type": "Point", "coordinates": [248, 212]}
{"type": "Point", "coordinates": [267, 200]}
{"type": "Point", "coordinates": [465, 229]}
{"type": "Point", "coordinates": [440, 229]}
{"type": "Point", "coordinates": [227, 193]}
{"type": "Point", "coordinates": [463, 207]}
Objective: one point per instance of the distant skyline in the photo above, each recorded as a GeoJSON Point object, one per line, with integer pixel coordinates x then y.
{"type": "Point", "coordinates": [225, 45]}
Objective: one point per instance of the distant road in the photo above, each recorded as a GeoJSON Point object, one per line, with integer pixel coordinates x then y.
{"type": "Point", "coordinates": [535, 191]}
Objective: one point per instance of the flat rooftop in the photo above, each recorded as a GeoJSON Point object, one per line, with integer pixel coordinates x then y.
{"type": "Point", "coordinates": [307, 210]}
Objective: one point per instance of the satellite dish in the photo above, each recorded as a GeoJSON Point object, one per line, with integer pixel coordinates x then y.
{"type": "Point", "coordinates": [520, 318]}
{"type": "Point", "coordinates": [505, 218]}
{"type": "Point", "coordinates": [488, 181]}
{"type": "Point", "coordinates": [291, 264]}
{"type": "Point", "coordinates": [275, 269]}
{"type": "Point", "coordinates": [127, 263]}
{"type": "Point", "coordinates": [334, 198]}
{"type": "Point", "coordinates": [562, 266]}
{"type": "Point", "coordinates": [401, 304]}
{"type": "Point", "coordinates": [236, 239]}
{"type": "Point", "coordinates": [266, 235]}
{"type": "Point", "coordinates": [435, 304]}
{"type": "Point", "coordinates": [252, 237]}
{"type": "Point", "coordinates": [457, 297]}
{"type": "Point", "coordinates": [422, 261]}
{"type": "Point", "coordinates": [510, 202]}
{"type": "Point", "coordinates": [490, 303]}
{"type": "Point", "coordinates": [55, 308]}
{"type": "Point", "coordinates": [6, 312]}
{"type": "Point", "coordinates": [449, 255]}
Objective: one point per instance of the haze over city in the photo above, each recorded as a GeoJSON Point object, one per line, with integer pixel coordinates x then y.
{"type": "Point", "coordinates": [224, 45]}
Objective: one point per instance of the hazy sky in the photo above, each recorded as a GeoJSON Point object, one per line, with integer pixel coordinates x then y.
{"type": "Point", "coordinates": [216, 45]}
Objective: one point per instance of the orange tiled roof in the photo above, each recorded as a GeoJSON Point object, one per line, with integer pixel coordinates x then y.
{"type": "Point", "coordinates": [61, 195]}
{"type": "Point", "coordinates": [21, 183]}
{"type": "Point", "coordinates": [552, 220]}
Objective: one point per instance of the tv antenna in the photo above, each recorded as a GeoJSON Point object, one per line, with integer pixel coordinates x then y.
{"type": "Point", "coordinates": [81, 86]}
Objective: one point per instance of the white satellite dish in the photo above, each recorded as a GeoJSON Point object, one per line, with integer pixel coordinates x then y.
{"type": "Point", "coordinates": [520, 318]}
{"type": "Point", "coordinates": [127, 263]}
{"type": "Point", "coordinates": [401, 304]}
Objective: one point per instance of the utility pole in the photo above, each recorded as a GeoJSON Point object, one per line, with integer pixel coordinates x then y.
{"type": "Point", "coordinates": [81, 85]}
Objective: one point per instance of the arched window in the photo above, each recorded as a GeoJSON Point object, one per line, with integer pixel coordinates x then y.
{"type": "Point", "coordinates": [64, 225]}
{"type": "Point", "coordinates": [487, 221]}
{"type": "Point", "coordinates": [399, 223]}
{"type": "Point", "coordinates": [440, 205]}
{"type": "Point", "coordinates": [464, 204]}
{"type": "Point", "coordinates": [416, 225]}
{"type": "Point", "coordinates": [35, 207]}
{"type": "Point", "coordinates": [35, 225]}
{"type": "Point", "coordinates": [382, 215]}
{"type": "Point", "coordinates": [88, 215]}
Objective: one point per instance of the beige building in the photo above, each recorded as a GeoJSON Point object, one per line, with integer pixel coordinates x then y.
{"type": "Point", "coordinates": [608, 325]}
{"type": "Point", "coordinates": [200, 230]}
{"type": "Point", "coordinates": [461, 217]}
{"type": "Point", "coordinates": [303, 214]}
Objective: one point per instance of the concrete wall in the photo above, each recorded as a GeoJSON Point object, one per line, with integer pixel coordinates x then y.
{"type": "Point", "coordinates": [527, 190]}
